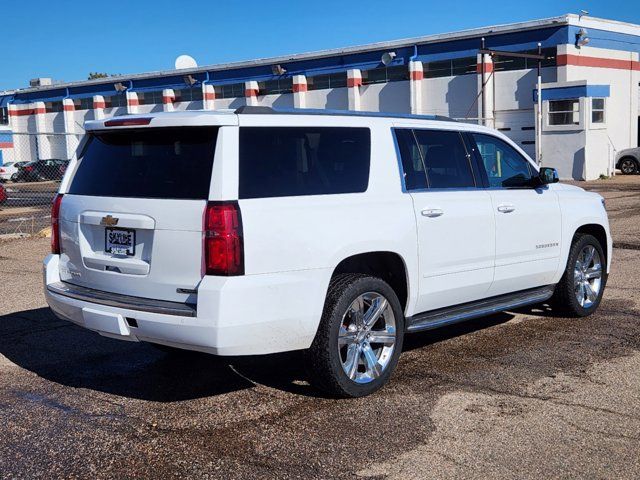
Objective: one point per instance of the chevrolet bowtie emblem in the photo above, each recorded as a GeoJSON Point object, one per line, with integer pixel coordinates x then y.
{"type": "Point", "coordinates": [109, 221]}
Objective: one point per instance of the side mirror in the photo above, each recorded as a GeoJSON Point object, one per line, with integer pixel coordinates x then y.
{"type": "Point", "coordinates": [548, 175]}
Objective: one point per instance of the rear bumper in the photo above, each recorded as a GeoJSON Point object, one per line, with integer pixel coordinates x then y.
{"type": "Point", "coordinates": [247, 315]}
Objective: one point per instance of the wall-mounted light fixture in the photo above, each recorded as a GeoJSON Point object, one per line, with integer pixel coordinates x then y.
{"type": "Point", "coordinates": [581, 38]}
{"type": "Point", "coordinates": [387, 58]}
{"type": "Point", "coordinates": [278, 69]}
{"type": "Point", "coordinates": [189, 80]}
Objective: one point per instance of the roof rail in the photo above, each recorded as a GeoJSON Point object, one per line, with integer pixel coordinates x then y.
{"type": "Point", "coordinates": [255, 110]}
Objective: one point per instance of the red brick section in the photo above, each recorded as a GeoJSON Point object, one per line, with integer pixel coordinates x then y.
{"type": "Point", "coordinates": [299, 87]}
{"type": "Point", "coordinates": [99, 104]}
{"type": "Point", "coordinates": [26, 111]}
{"type": "Point", "coordinates": [68, 107]}
{"type": "Point", "coordinates": [251, 92]}
{"type": "Point", "coordinates": [6, 144]}
{"type": "Point", "coordinates": [354, 82]}
{"type": "Point", "coordinates": [581, 61]}
{"type": "Point", "coordinates": [133, 102]}
{"type": "Point", "coordinates": [168, 99]}
{"type": "Point", "coordinates": [210, 95]}
{"type": "Point", "coordinates": [417, 75]}
{"type": "Point", "coordinates": [488, 68]}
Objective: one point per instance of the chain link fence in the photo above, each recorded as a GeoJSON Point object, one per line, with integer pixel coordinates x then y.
{"type": "Point", "coordinates": [30, 174]}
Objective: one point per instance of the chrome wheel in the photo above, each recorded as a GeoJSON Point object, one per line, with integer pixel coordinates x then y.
{"type": "Point", "coordinates": [367, 337]}
{"type": "Point", "coordinates": [587, 276]}
{"type": "Point", "coordinates": [628, 166]}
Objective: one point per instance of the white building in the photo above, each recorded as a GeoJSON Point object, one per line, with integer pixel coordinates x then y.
{"type": "Point", "coordinates": [589, 92]}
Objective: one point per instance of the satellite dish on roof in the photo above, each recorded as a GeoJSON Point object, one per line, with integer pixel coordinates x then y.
{"type": "Point", "coordinates": [185, 61]}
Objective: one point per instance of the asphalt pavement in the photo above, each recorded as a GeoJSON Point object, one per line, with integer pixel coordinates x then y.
{"type": "Point", "coordinates": [524, 394]}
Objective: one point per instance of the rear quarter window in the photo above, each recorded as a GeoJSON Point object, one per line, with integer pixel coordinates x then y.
{"type": "Point", "coordinates": [147, 163]}
{"type": "Point", "coordinates": [295, 161]}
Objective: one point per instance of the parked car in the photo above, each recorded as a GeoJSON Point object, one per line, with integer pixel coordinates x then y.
{"type": "Point", "coordinates": [40, 170]}
{"type": "Point", "coordinates": [9, 169]}
{"type": "Point", "coordinates": [333, 233]}
{"type": "Point", "coordinates": [3, 195]}
{"type": "Point", "coordinates": [628, 161]}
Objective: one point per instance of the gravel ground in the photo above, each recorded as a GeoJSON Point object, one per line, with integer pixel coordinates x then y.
{"type": "Point", "coordinates": [514, 395]}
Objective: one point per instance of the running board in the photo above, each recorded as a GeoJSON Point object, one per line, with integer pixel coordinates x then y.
{"type": "Point", "coordinates": [467, 311]}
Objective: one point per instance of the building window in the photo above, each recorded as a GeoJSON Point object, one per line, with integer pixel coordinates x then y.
{"type": "Point", "coordinates": [330, 80]}
{"type": "Point", "coordinates": [52, 107]}
{"type": "Point", "coordinates": [276, 86]}
{"type": "Point", "coordinates": [83, 103]}
{"type": "Point", "coordinates": [467, 65]}
{"type": "Point", "coordinates": [189, 95]}
{"type": "Point", "coordinates": [564, 112]}
{"type": "Point", "coordinates": [463, 66]}
{"type": "Point", "coordinates": [385, 74]}
{"type": "Point", "coordinates": [597, 110]}
{"type": "Point", "coordinates": [438, 69]}
{"type": "Point", "coordinates": [115, 101]}
{"type": "Point", "coordinates": [232, 90]}
{"type": "Point", "coordinates": [4, 116]}
{"type": "Point", "coordinates": [514, 63]}
{"type": "Point", "coordinates": [150, 98]}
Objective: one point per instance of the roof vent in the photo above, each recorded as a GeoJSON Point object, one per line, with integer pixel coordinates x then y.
{"type": "Point", "coordinates": [40, 82]}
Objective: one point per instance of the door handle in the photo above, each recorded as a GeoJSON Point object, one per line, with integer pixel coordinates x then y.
{"type": "Point", "coordinates": [432, 212]}
{"type": "Point", "coordinates": [506, 208]}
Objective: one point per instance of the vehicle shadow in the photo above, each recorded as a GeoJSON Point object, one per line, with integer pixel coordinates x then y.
{"type": "Point", "coordinates": [61, 352]}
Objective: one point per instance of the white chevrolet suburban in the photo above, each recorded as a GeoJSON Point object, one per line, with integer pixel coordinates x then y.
{"type": "Point", "coordinates": [261, 231]}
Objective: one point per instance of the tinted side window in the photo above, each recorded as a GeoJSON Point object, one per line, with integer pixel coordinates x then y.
{"type": "Point", "coordinates": [412, 166]}
{"type": "Point", "coordinates": [445, 159]}
{"type": "Point", "coordinates": [504, 165]}
{"type": "Point", "coordinates": [293, 161]}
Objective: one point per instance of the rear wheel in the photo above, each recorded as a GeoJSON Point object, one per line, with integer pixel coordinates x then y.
{"type": "Point", "coordinates": [628, 166]}
{"type": "Point", "coordinates": [580, 289]}
{"type": "Point", "coordinates": [359, 338]}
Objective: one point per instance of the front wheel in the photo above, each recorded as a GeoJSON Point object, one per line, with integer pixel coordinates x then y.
{"type": "Point", "coordinates": [580, 289]}
{"type": "Point", "coordinates": [359, 339]}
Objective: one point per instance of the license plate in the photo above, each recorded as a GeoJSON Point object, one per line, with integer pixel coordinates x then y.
{"type": "Point", "coordinates": [120, 241]}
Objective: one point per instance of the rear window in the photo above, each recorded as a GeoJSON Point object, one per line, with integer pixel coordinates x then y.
{"type": "Point", "coordinates": [294, 161]}
{"type": "Point", "coordinates": [147, 163]}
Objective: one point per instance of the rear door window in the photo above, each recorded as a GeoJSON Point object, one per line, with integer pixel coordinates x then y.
{"type": "Point", "coordinates": [413, 172]}
{"type": "Point", "coordinates": [294, 161]}
{"type": "Point", "coordinates": [445, 158]}
{"type": "Point", "coordinates": [147, 163]}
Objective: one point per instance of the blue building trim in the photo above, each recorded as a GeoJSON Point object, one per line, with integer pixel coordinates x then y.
{"type": "Point", "coordinates": [566, 93]}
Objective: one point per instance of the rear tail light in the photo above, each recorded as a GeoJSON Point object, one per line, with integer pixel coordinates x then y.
{"type": "Point", "coordinates": [223, 245]}
{"type": "Point", "coordinates": [55, 225]}
{"type": "Point", "coordinates": [28, 169]}
{"type": "Point", "coordinates": [2, 170]}
{"type": "Point", "coordinates": [128, 122]}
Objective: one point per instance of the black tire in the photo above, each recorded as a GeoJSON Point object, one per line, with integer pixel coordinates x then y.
{"type": "Point", "coordinates": [323, 358]}
{"type": "Point", "coordinates": [628, 166]}
{"type": "Point", "coordinates": [564, 299]}
{"type": "Point", "coordinates": [14, 178]}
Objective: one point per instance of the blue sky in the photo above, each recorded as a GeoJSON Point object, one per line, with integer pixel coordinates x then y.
{"type": "Point", "coordinates": [67, 39]}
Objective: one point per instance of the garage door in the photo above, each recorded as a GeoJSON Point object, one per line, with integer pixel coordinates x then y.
{"type": "Point", "coordinates": [519, 126]}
